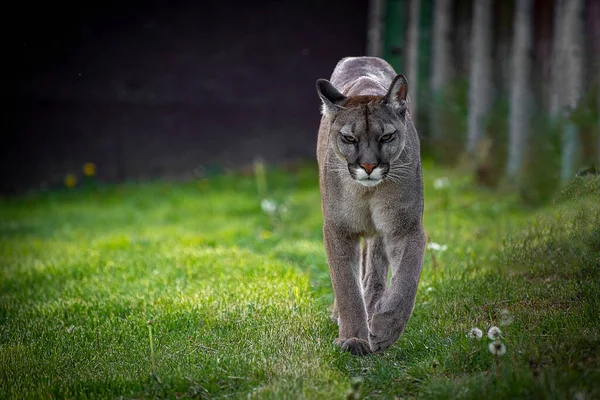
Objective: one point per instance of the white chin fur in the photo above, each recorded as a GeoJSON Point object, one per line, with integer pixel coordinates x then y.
{"type": "Point", "coordinates": [368, 182]}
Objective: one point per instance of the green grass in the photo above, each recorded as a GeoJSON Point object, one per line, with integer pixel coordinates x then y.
{"type": "Point", "coordinates": [236, 301]}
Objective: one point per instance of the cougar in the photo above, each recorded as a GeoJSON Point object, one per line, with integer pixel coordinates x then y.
{"type": "Point", "coordinates": [370, 179]}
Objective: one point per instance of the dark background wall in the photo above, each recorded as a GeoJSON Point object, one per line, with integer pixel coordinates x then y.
{"type": "Point", "coordinates": [167, 88]}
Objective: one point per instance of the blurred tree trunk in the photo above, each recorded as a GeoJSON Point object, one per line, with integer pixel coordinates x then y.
{"type": "Point", "coordinates": [543, 16]}
{"type": "Point", "coordinates": [412, 58]}
{"type": "Point", "coordinates": [593, 15]}
{"type": "Point", "coordinates": [441, 63]}
{"type": "Point", "coordinates": [556, 84]}
{"type": "Point", "coordinates": [571, 78]}
{"type": "Point", "coordinates": [520, 86]}
{"type": "Point", "coordinates": [503, 21]}
{"type": "Point", "coordinates": [462, 16]}
{"type": "Point", "coordinates": [375, 28]}
{"type": "Point", "coordinates": [424, 64]}
{"type": "Point", "coordinates": [480, 87]}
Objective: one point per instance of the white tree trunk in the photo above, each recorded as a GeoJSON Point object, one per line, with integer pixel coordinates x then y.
{"type": "Point", "coordinates": [375, 28]}
{"type": "Point", "coordinates": [520, 86]}
{"type": "Point", "coordinates": [412, 54]}
{"type": "Point", "coordinates": [572, 79]}
{"type": "Point", "coordinates": [480, 80]}
{"type": "Point", "coordinates": [441, 61]}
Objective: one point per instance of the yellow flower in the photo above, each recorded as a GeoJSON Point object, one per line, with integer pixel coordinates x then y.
{"type": "Point", "coordinates": [70, 181]}
{"type": "Point", "coordinates": [265, 234]}
{"type": "Point", "coordinates": [89, 169]}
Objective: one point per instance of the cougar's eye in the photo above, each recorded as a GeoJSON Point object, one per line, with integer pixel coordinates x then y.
{"type": "Point", "coordinates": [348, 138]}
{"type": "Point", "coordinates": [386, 138]}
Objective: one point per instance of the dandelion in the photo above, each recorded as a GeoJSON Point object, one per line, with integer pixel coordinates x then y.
{"type": "Point", "coordinates": [89, 169]}
{"type": "Point", "coordinates": [268, 206]}
{"type": "Point", "coordinates": [505, 317]}
{"type": "Point", "coordinates": [437, 246]}
{"type": "Point", "coordinates": [475, 333]}
{"type": "Point", "coordinates": [494, 333]}
{"type": "Point", "coordinates": [441, 183]}
{"type": "Point", "coordinates": [70, 181]}
{"type": "Point", "coordinates": [497, 348]}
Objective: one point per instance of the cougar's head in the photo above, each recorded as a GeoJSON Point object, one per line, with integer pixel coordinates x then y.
{"type": "Point", "coordinates": [367, 133]}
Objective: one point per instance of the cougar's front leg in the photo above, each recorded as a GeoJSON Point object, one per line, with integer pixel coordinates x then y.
{"type": "Point", "coordinates": [395, 307]}
{"type": "Point", "coordinates": [374, 272]}
{"type": "Point", "coordinates": [343, 256]}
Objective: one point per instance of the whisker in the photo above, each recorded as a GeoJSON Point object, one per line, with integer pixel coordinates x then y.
{"type": "Point", "coordinates": [401, 166]}
{"type": "Point", "coordinates": [400, 169]}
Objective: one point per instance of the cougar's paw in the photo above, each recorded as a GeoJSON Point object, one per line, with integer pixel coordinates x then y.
{"type": "Point", "coordinates": [356, 346]}
{"type": "Point", "coordinates": [382, 333]}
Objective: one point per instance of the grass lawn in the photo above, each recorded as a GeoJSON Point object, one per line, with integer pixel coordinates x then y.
{"type": "Point", "coordinates": [165, 290]}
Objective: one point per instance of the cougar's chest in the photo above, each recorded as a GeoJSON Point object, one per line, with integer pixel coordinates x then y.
{"type": "Point", "coordinates": [375, 214]}
{"type": "Point", "coordinates": [358, 214]}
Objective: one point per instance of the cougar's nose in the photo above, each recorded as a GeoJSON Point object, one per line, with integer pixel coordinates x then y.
{"type": "Point", "coordinates": [368, 167]}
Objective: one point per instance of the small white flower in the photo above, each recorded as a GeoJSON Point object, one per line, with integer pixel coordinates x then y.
{"type": "Point", "coordinates": [494, 333]}
{"type": "Point", "coordinates": [268, 206]}
{"type": "Point", "coordinates": [497, 348]}
{"type": "Point", "coordinates": [437, 246]}
{"type": "Point", "coordinates": [475, 333]}
{"type": "Point", "coordinates": [441, 183]}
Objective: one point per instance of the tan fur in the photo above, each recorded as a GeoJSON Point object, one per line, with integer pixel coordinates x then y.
{"type": "Point", "coordinates": [371, 314]}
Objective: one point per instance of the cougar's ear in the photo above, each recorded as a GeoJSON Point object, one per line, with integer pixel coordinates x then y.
{"type": "Point", "coordinates": [396, 96]}
{"type": "Point", "coordinates": [332, 99]}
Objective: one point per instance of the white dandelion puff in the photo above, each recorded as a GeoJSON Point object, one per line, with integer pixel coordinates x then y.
{"type": "Point", "coordinates": [268, 206]}
{"type": "Point", "coordinates": [441, 183]}
{"type": "Point", "coordinates": [475, 333]}
{"type": "Point", "coordinates": [494, 333]}
{"type": "Point", "coordinates": [497, 348]}
{"type": "Point", "coordinates": [437, 246]}
{"type": "Point", "coordinates": [505, 317]}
